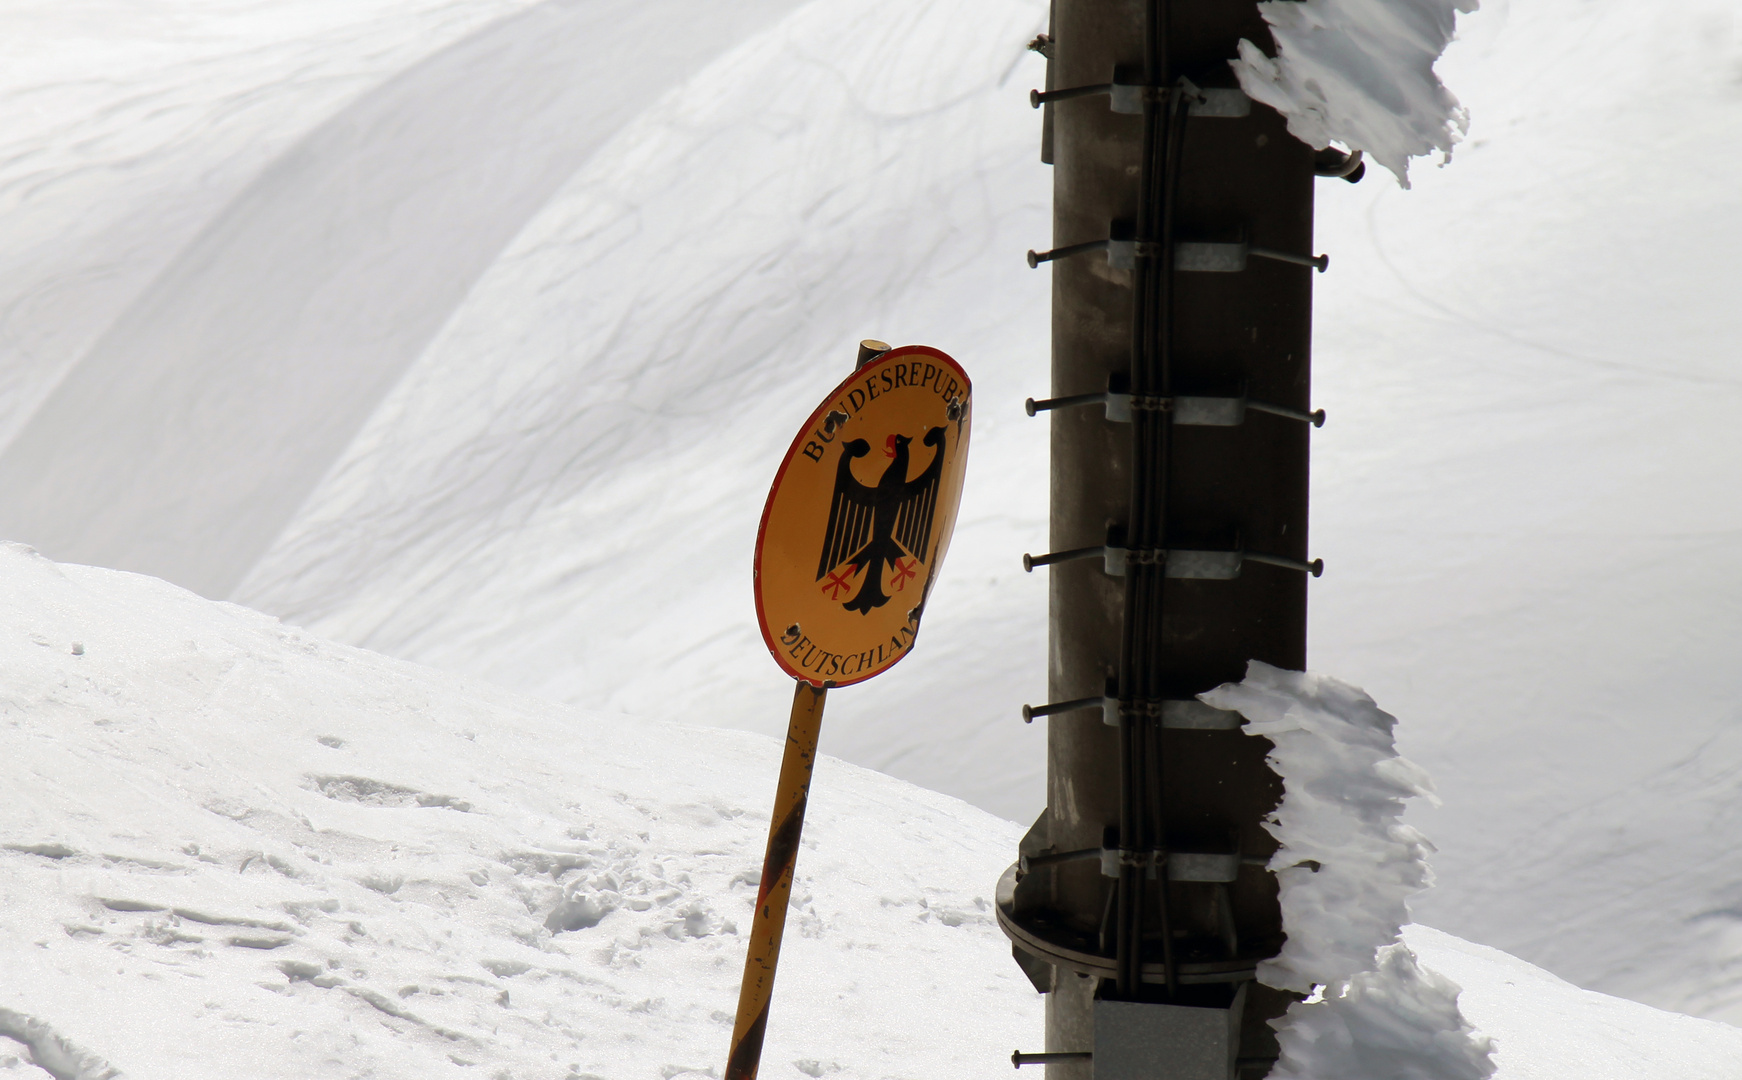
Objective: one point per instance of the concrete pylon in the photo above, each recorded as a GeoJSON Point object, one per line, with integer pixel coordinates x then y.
{"type": "Point", "coordinates": [1180, 420]}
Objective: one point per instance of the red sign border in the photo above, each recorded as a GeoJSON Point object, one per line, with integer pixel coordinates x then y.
{"type": "Point", "coordinates": [792, 451]}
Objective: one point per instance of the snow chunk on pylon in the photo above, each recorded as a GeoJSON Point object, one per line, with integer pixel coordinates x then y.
{"type": "Point", "coordinates": [1346, 868]}
{"type": "Point", "coordinates": [1361, 73]}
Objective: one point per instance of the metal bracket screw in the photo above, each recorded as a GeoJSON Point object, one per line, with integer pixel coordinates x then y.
{"type": "Point", "coordinates": [1018, 1059]}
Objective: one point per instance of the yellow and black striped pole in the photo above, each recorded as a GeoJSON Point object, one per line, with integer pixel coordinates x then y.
{"type": "Point", "coordinates": [784, 828]}
{"type": "Point", "coordinates": [775, 889]}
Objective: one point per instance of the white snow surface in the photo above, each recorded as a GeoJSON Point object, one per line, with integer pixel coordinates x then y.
{"type": "Point", "coordinates": [1346, 867]}
{"type": "Point", "coordinates": [230, 848]}
{"type": "Point", "coordinates": [1525, 494]}
{"type": "Point", "coordinates": [1399, 1020]}
{"type": "Point", "coordinates": [276, 329]}
{"type": "Point", "coordinates": [1360, 73]}
{"type": "Point", "coordinates": [562, 493]}
{"type": "Point", "coordinates": [50, 1051]}
{"type": "Point", "coordinates": [131, 123]}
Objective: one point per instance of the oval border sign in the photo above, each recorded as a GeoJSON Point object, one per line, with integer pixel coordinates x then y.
{"type": "Point", "coordinates": [859, 518]}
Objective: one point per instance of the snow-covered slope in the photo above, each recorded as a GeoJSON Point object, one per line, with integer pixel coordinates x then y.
{"type": "Point", "coordinates": [1525, 495]}
{"type": "Point", "coordinates": [186, 435]}
{"type": "Point", "coordinates": [1529, 493]}
{"type": "Point", "coordinates": [562, 494]}
{"type": "Point", "coordinates": [230, 848]}
{"type": "Point", "coordinates": [1545, 1027]}
{"type": "Point", "coordinates": [129, 124]}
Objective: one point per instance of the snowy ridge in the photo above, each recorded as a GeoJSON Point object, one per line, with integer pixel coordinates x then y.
{"type": "Point", "coordinates": [1529, 360]}
{"type": "Point", "coordinates": [1345, 868]}
{"type": "Point", "coordinates": [1360, 72]}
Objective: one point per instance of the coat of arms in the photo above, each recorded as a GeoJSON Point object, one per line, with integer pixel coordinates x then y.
{"type": "Point", "coordinates": [885, 526]}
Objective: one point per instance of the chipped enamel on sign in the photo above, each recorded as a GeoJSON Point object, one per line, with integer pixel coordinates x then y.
{"type": "Point", "coordinates": [859, 518]}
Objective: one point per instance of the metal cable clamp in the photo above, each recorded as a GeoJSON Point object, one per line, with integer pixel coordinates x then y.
{"type": "Point", "coordinates": [1175, 714]}
{"type": "Point", "coordinates": [1189, 256]}
{"type": "Point", "coordinates": [1129, 98]}
{"type": "Point", "coordinates": [1018, 1059]}
{"type": "Point", "coordinates": [1186, 410]}
{"type": "Point", "coordinates": [1052, 1057]}
{"type": "Point", "coordinates": [1198, 866]}
{"type": "Point", "coordinates": [1192, 256]}
{"type": "Point", "coordinates": [1177, 562]}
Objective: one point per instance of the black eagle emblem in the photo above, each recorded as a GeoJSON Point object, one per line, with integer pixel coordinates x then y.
{"type": "Point", "coordinates": [873, 528]}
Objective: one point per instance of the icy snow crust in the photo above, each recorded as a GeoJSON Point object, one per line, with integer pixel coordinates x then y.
{"type": "Point", "coordinates": [1346, 867]}
{"type": "Point", "coordinates": [1360, 73]}
{"type": "Point", "coordinates": [230, 848]}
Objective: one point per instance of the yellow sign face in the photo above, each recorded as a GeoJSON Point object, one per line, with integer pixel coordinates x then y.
{"type": "Point", "coordinates": [860, 516]}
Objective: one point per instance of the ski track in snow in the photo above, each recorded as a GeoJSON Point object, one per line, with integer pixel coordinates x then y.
{"type": "Point", "coordinates": [1524, 496]}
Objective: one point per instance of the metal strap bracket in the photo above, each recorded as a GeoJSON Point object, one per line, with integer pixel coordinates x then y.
{"type": "Point", "coordinates": [1128, 98]}
{"type": "Point", "coordinates": [1197, 866]}
{"type": "Point", "coordinates": [1122, 253]}
{"type": "Point", "coordinates": [1018, 1059]}
{"type": "Point", "coordinates": [1175, 714]}
{"type": "Point", "coordinates": [1177, 562]}
{"type": "Point", "coordinates": [1194, 256]}
{"type": "Point", "coordinates": [1187, 410]}
{"type": "Point", "coordinates": [1189, 256]}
